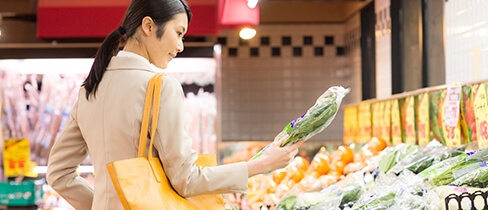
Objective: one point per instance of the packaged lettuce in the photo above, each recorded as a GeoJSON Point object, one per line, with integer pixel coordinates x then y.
{"type": "Point", "coordinates": [315, 120]}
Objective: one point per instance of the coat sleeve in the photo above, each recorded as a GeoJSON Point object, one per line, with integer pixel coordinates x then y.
{"type": "Point", "coordinates": [178, 158]}
{"type": "Point", "coordinates": [67, 153]}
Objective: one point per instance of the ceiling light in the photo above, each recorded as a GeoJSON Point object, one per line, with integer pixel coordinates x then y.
{"type": "Point", "coordinates": [247, 33]}
{"type": "Point", "coordinates": [252, 3]}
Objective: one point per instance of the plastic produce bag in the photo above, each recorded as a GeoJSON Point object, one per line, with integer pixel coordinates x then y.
{"type": "Point", "coordinates": [475, 178]}
{"type": "Point", "coordinates": [315, 120]}
{"type": "Point", "coordinates": [432, 153]}
{"type": "Point", "coordinates": [468, 162]}
{"type": "Point", "coordinates": [394, 155]}
{"type": "Point", "coordinates": [406, 191]}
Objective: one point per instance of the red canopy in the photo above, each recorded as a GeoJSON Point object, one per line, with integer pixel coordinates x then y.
{"type": "Point", "coordinates": [95, 18]}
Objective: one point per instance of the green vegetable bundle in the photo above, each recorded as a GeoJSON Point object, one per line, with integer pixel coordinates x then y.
{"type": "Point", "coordinates": [467, 163]}
{"type": "Point", "coordinates": [476, 178]}
{"type": "Point", "coordinates": [315, 120]}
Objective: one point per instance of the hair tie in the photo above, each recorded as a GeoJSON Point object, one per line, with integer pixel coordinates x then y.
{"type": "Point", "coordinates": [121, 30]}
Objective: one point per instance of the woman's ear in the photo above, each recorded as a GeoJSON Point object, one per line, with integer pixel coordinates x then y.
{"type": "Point", "coordinates": [148, 26]}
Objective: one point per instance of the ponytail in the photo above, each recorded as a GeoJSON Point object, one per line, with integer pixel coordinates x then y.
{"type": "Point", "coordinates": [108, 49]}
{"type": "Point", "coordinates": [161, 11]}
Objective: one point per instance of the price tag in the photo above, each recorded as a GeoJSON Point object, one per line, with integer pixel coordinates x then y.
{"type": "Point", "coordinates": [452, 134]}
{"type": "Point", "coordinates": [396, 134]}
{"type": "Point", "coordinates": [451, 111]}
{"type": "Point", "coordinates": [16, 158]}
{"type": "Point", "coordinates": [423, 119]}
{"type": "Point", "coordinates": [349, 124]}
{"type": "Point", "coordinates": [481, 116]}
{"type": "Point", "coordinates": [386, 121]}
{"type": "Point", "coordinates": [364, 115]}
{"type": "Point", "coordinates": [410, 121]}
{"type": "Point", "coordinates": [376, 119]}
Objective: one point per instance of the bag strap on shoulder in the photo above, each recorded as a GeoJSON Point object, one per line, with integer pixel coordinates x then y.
{"type": "Point", "coordinates": [153, 96]}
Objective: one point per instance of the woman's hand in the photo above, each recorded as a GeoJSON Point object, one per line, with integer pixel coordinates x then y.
{"type": "Point", "coordinates": [275, 157]}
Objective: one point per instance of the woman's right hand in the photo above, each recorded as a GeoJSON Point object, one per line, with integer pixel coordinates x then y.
{"type": "Point", "coordinates": [275, 157]}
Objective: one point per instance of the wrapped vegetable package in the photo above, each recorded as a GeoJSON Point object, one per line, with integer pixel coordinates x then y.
{"type": "Point", "coordinates": [454, 168]}
{"type": "Point", "coordinates": [394, 155]}
{"type": "Point", "coordinates": [315, 120]}
{"type": "Point", "coordinates": [475, 178]}
{"type": "Point", "coordinates": [432, 153]}
{"type": "Point", "coordinates": [389, 191]}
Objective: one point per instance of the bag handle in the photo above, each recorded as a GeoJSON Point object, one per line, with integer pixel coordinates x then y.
{"type": "Point", "coordinates": [153, 95]}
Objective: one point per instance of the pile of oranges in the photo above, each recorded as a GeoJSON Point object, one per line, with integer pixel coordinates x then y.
{"type": "Point", "coordinates": [300, 176]}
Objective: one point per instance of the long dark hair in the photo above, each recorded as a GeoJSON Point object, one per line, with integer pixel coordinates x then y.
{"type": "Point", "coordinates": [161, 11]}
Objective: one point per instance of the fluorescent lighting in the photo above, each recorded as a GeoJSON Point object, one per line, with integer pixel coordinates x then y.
{"type": "Point", "coordinates": [247, 33]}
{"type": "Point", "coordinates": [252, 3]}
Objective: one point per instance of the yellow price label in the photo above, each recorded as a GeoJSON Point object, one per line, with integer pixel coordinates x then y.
{"type": "Point", "coordinates": [386, 121]}
{"type": "Point", "coordinates": [16, 158]}
{"type": "Point", "coordinates": [349, 124]}
{"type": "Point", "coordinates": [364, 115]}
{"type": "Point", "coordinates": [376, 119]}
{"type": "Point", "coordinates": [423, 119]}
{"type": "Point", "coordinates": [396, 133]}
{"type": "Point", "coordinates": [481, 115]}
{"type": "Point", "coordinates": [410, 121]}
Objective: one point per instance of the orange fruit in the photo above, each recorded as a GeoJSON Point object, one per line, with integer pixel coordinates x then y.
{"type": "Point", "coordinates": [320, 165]}
{"type": "Point", "coordinates": [338, 166]}
{"type": "Point", "coordinates": [346, 154]}
{"type": "Point", "coordinates": [279, 175]}
{"type": "Point", "coordinates": [297, 174]}
{"type": "Point", "coordinates": [270, 185]}
{"type": "Point", "coordinates": [377, 144]}
{"type": "Point", "coordinates": [301, 163]}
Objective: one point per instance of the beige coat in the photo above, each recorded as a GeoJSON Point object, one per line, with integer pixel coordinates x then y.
{"type": "Point", "coordinates": [107, 128]}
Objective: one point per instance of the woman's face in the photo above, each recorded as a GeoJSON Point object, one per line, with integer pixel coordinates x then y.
{"type": "Point", "coordinates": [162, 50]}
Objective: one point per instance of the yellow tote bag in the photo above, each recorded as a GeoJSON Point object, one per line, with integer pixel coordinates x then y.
{"type": "Point", "coordinates": [141, 182]}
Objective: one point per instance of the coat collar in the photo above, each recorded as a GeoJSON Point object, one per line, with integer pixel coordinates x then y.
{"type": "Point", "coordinates": [130, 61]}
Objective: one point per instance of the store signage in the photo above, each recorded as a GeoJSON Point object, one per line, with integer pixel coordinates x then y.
{"type": "Point", "coordinates": [377, 115]}
{"type": "Point", "coordinates": [450, 114]}
{"type": "Point", "coordinates": [89, 19]}
{"type": "Point", "coordinates": [364, 115]}
{"type": "Point", "coordinates": [453, 98]}
{"type": "Point", "coordinates": [16, 158]}
{"type": "Point", "coordinates": [481, 114]}
{"type": "Point", "coordinates": [396, 134]}
{"type": "Point", "coordinates": [423, 119]}
{"type": "Point", "coordinates": [386, 121]}
{"type": "Point", "coordinates": [410, 121]}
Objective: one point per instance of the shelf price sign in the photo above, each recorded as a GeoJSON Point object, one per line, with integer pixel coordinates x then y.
{"type": "Point", "coordinates": [377, 115]}
{"type": "Point", "coordinates": [452, 130]}
{"type": "Point", "coordinates": [423, 119]}
{"type": "Point", "coordinates": [350, 124]}
{"type": "Point", "coordinates": [386, 121]}
{"type": "Point", "coordinates": [481, 115]}
{"type": "Point", "coordinates": [364, 115]}
{"type": "Point", "coordinates": [411, 137]}
{"type": "Point", "coordinates": [16, 158]}
{"type": "Point", "coordinates": [396, 133]}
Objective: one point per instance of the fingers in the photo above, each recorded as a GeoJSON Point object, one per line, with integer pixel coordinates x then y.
{"type": "Point", "coordinates": [282, 139]}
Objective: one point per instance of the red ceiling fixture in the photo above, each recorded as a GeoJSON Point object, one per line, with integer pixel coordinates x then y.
{"type": "Point", "coordinates": [95, 18]}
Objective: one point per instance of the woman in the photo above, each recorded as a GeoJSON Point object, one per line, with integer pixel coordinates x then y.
{"type": "Point", "coordinates": [106, 120]}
